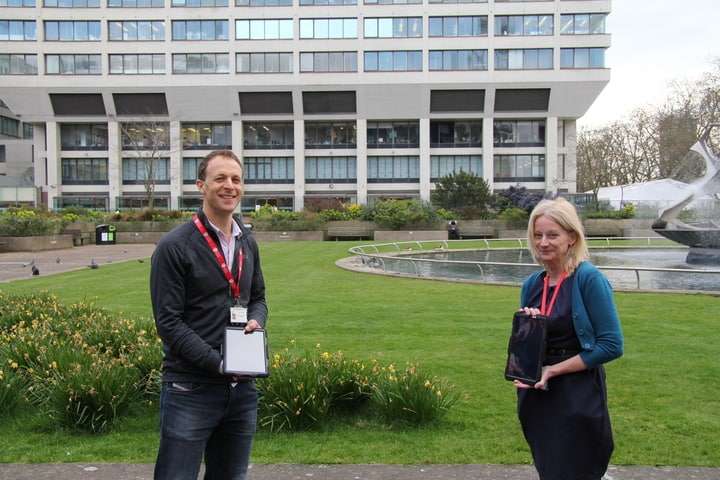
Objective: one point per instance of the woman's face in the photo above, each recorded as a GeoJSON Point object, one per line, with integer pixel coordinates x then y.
{"type": "Point", "coordinates": [552, 242]}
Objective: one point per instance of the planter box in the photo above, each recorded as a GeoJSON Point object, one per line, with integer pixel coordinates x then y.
{"type": "Point", "coordinates": [138, 237]}
{"type": "Point", "coordinates": [145, 226]}
{"type": "Point", "coordinates": [35, 244]}
{"type": "Point", "coordinates": [409, 235]}
{"type": "Point", "coordinates": [476, 228]}
{"type": "Point", "coordinates": [513, 233]}
{"type": "Point", "coordinates": [317, 235]}
{"type": "Point", "coordinates": [356, 229]}
{"type": "Point", "coordinates": [603, 227]}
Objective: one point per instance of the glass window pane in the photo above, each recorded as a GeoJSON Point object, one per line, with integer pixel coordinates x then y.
{"type": "Point", "coordinates": [399, 61]}
{"type": "Point", "coordinates": [436, 60]}
{"type": "Point", "coordinates": [450, 26]}
{"type": "Point", "coordinates": [321, 27]}
{"type": "Point", "coordinates": [349, 28]}
{"type": "Point", "coordinates": [242, 29]}
{"type": "Point", "coordinates": [385, 27]}
{"type": "Point", "coordinates": [465, 26]}
{"type": "Point", "coordinates": [306, 62]}
{"type": "Point", "coordinates": [371, 61]}
{"type": "Point", "coordinates": [272, 29]}
{"type": "Point", "coordinates": [582, 24]}
{"type": "Point", "coordinates": [435, 26]}
{"type": "Point", "coordinates": [582, 58]}
{"type": "Point", "coordinates": [257, 29]}
{"type": "Point", "coordinates": [385, 60]}
{"type": "Point", "coordinates": [159, 63]}
{"type": "Point", "coordinates": [306, 28]}
{"type": "Point", "coordinates": [286, 29]}
{"type": "Point", "coordinates": [566, 24]}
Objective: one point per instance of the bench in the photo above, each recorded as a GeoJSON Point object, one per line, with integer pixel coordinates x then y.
{"type": "Point", "coordinates": [80, 238]}
{"type": "Point", "coordinates": [350, 230]}
{"type": "Point", "coordinates": [475, 229]}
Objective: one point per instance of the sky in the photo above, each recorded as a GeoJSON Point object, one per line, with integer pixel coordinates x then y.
{"type": "Point", "coordinates": [653, 43]}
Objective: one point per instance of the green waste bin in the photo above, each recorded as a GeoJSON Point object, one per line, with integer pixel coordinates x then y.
{"type": "Point", "coordinates": [105, 234]}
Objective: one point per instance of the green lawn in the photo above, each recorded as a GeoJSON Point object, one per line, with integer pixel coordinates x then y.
{"type": "Point", "coordinates": [664, 394]}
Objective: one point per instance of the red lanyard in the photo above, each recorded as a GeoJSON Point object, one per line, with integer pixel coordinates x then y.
{"type": "Point", "coordinates": [546, 286]}
{"type": "Point", "coordinates": [234, 285]}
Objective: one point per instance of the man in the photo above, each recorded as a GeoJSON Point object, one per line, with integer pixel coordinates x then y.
{"type": "Point", "coordinates": [193, 289]}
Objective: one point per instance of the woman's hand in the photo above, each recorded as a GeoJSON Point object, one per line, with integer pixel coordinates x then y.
{"type": "Point", "coordinates": [530, 311]}
{"type": "Point", "coordinates": [542, 384]}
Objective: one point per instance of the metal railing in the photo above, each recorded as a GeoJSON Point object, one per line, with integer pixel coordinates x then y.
{"type": "Point", "coordinates": [398, 257]}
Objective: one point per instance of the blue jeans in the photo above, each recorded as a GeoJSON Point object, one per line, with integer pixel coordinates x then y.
{"type": "Point", "coordinates": [215, 419]}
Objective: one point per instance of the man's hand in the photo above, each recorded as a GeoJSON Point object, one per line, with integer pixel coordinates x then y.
{"type": "Point", "coordinates": [251, 326]}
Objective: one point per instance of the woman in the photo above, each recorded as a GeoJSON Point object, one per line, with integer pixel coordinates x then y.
{"type": "Point", "coordinates": [564, 416]}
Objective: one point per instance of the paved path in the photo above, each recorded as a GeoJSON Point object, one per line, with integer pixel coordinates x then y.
{"type": "Point", "coordinates": [77, 471]}
{"type": "Point", "coordinates": [16, 265]}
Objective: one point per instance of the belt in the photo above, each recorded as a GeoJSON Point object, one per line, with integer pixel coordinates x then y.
{"type": "Point", "coordinates": [561, 352]}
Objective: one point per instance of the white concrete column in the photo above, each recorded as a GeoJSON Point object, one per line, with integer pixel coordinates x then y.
{"type": "Point", "coordinates": [299, 163]}
{"type": "Point", "coordinates": [176, 164]}
{"type": "Point", "coordinates": [39, 156]}
{"type": "Point", "coordinates": [551, 154]}
{"type": "Point", "coordinates": [54, 163]}
{"type": "Point", "coordinates": [114, 163]}
{"type": "Point", "coordinates": [425, 159]}
{"type": "Point", "coordinates": [488, 157]}
{"type": "Point", "coordinates": [361, 167]}
{"type": "Point", "coordinates": [237, 148]}
{"type": "Point", "coordinates": [571, 155]}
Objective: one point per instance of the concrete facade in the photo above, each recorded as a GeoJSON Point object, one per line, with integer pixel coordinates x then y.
{"type": "Point", "coordinates": [380, 97]}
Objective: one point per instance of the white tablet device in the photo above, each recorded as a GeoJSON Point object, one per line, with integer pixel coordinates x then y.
{"type": "Point", "coordinates": [245, 353]}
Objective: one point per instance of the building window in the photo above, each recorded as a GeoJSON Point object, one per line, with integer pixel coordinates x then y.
{"type": "Point", "coordinates": [519, 168]}
{"type": "Point", "coordinates": [330, 135]}
{"type": "Point", "coordinates": [328, 62]}
{"type": "Point", "coordinates": [18, 64]}
{"type": "Point", "coordinates": [190, 169]}
{"type": "Point", "coordinates": [28, 131]}
{"type": "Point", "coordinates": [330, 170]}
{"type": "Point", "coordinates": [582, 58]}
{"type": "Point", "coordinates": [72, 31]}
{"type": "Point", "coordinates": [442, 165]}
{"type": "Point", "coordinates": [145, 136]}
{"type": "Point", "coordinates": [327, 2]}
{"type": "Point", "coordinates": [250, 204]}
{"type": "Point", "coordinates": [263, 3]}
{"type": "Point", "coordinates": [2, 154]}
{"type": "Point", "coordinates": [136, 171]}
{"type": "Point", "coordinates": [136, 3]}
{"type": "Point", "coordinates": [17, 30]}
{"type": "Point", "coordinates": [264, 62]}
{"type": "Point", "coordinates": [523, 25]}
{"type": "Point", "coordinates": [207, 30]}
{"type": "Point", "coordinates": [9, 127]}
{"type": "Point", "coordinates": [390, 169]}
{"type": "Point", "coordinates": [200, 63]}
{"type": "Point", "coordinates": [582, 24]}
{"type": "Point", "coordinates": [456, 1]}
{"type": "Point", "coordinates": [392, 134]}
{"type": "Point", "coordinates": [136, 201]}
{"type": "Point", "coordinates": [92, 202]}
{"type": "Point", "coordinates": [268, 136]}
{"type": "Point", "coordinates": [393, 27]}
{"type": "Point", "coordinates": [71, 3]}
{"type": "Point", "coordinates": [392, 2]}
{"type": "Point", "coordinates": [563, 169]}
{"type": "Point", "coordinates": [393, 61]}
{"type": "Point", "coordinates": [17, 3]}
{"type": "Point", "coordinates": [475, 26]}
{"type": "Point", "coordinates": [132, 64]}
{"type": "Point", "coordinates": [269, 170]}
{"type": "Point", "coordinates": [133, 31]}
{"type": "Point", "coordinates": [456, 134]}
{"type": "Point", "coordinates": [199, 3]}
{"type": "Point", "coordinates": [72, 65]}
{"type": "Point", "coordinates": [449, 60]}
{"type": "Point", "coordinates": [206, 136]}
{"type": "Point", "coordinates": [524, 59]}
{"type": "Point", "coordinates": [322, 28]}
{"type": "Point", "coordinates": [84, 171]}
{"type": "Point", "coordinates": [519, 133]}
{"type": "Point", "coordinates": [276, 29]}
{"type": "Point", "coordinates": [84, 136]}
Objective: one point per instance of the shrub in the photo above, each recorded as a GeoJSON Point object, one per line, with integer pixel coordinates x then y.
{"type": "Point", "coordinates": [397, 214]}
{"type": "Point", "coordinates": [27, 222]}
{"type": "Point", "coordinates": [411, 396]}
{"type": "Point", "coordinates": [270, 218]}
{"type": "Point", "coordinates": [446, 214]}
{"type": "Point", "coordinates": [514, 215]}
{"type": "Point", "coordinates": [627, 211]}
{"type": "Point", "coordinates": [463, 192]}
{"type": "Point", "coordinates": [12, 388]}
{"type": "Point", "coordinates": [519, 197]}
{"type": "Point", "coordinates": [346, 212]}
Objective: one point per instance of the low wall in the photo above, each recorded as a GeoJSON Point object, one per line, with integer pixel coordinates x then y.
{"type": "Point", "coordinates": [512, 233]}
{"type": "Point", "coordinates": [138, 237]}
{"type": "Point", "coordinates": [265, 236]}
{"type": "Point", "coordinates": [36, 243]}
{"type": "Point", "coordinates": [407, 235]}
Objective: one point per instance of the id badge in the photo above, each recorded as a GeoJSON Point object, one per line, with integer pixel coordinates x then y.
{"type": "Point", "coordinates": [238, 315]}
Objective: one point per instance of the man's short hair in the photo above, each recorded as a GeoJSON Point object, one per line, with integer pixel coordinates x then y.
{"type": "Point", "coordinates": [216, 153]}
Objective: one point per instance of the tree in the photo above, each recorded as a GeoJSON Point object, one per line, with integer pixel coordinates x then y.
{"type": "Point", "coordinates": [462, 192]}
{"type": "Point", "coordinates": [150, 142]}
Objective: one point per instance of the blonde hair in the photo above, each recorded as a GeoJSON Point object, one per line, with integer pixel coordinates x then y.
{"type": "Point", "coordinates": [564, 214]}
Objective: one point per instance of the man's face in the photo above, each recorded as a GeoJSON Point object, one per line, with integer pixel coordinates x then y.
{"type": "Point", "coordinates": [223, 185]}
